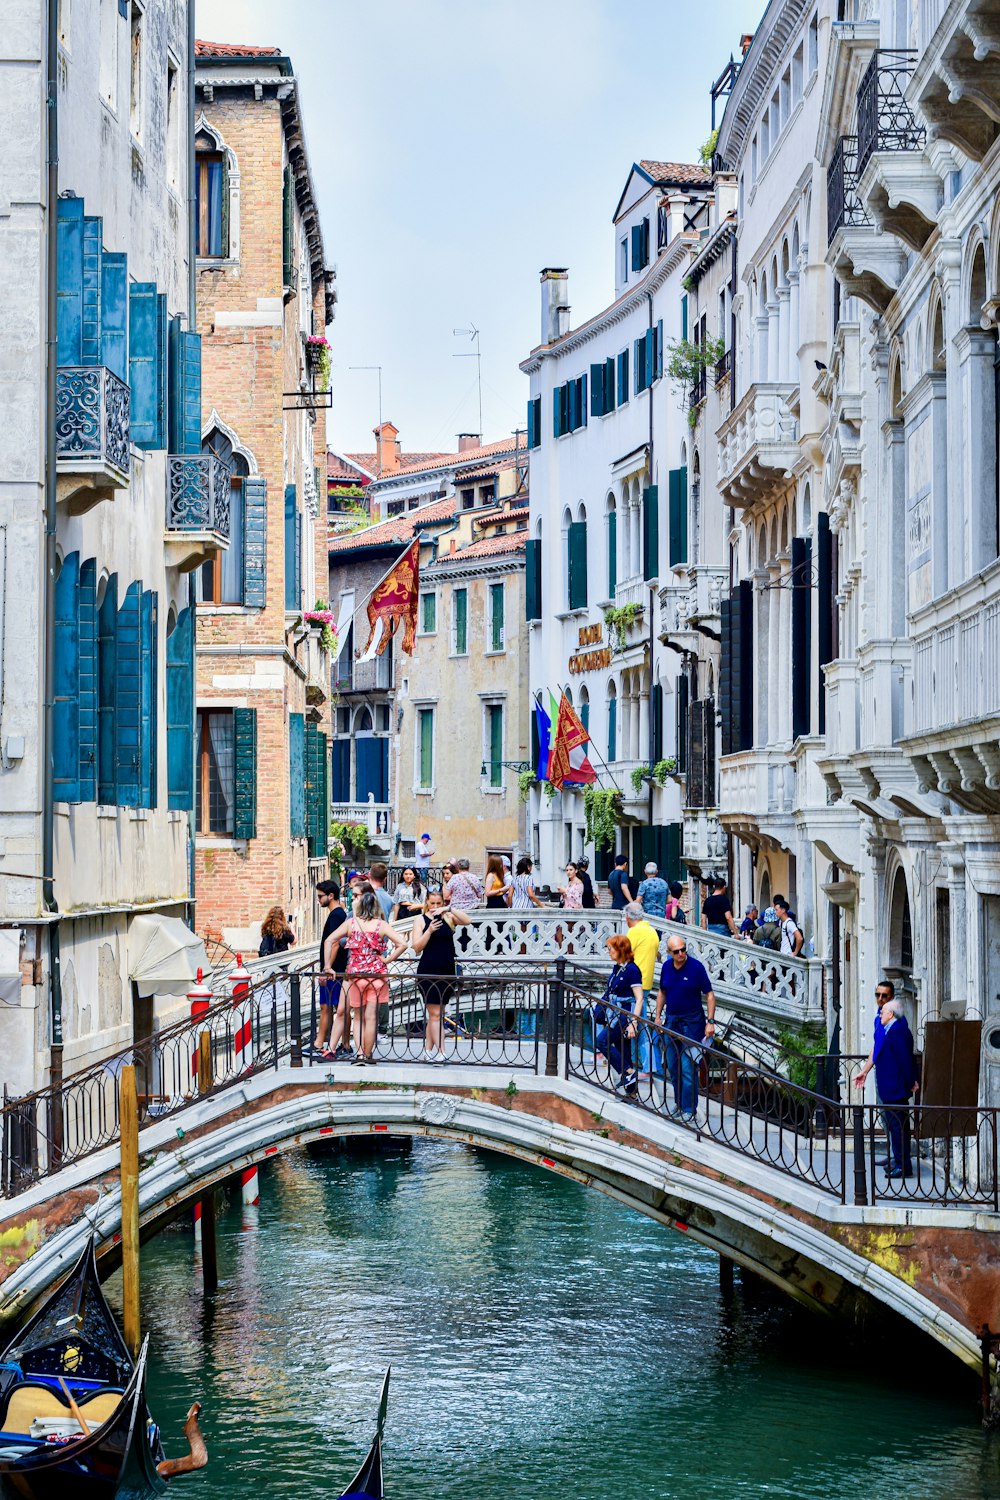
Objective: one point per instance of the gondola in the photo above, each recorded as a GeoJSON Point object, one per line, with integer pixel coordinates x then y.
{"type": "Point", "coordinates": [367, 1482]}
{"type": "Point", "coordinates": [73, 1415]}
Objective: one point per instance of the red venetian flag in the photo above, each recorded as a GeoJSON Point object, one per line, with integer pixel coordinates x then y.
{"type": "Point", "coordinates": [568, 761]}
{"type": "Point", "coordinates": [395, 599]}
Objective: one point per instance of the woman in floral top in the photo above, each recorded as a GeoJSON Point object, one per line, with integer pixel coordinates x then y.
{"type": "Point", "coordinates": [572, 891]}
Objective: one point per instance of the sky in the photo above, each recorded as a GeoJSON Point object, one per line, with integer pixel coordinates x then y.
{"type": "Point", "coordinates": [457, 147]}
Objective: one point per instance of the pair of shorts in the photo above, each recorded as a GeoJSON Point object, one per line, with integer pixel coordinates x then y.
{"type": "Point", "coordinates": [367, 990]}
{"type": "Point", "coordinates": [329, 992]}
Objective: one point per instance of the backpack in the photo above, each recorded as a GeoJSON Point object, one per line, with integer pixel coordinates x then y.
{"type": "Point", "coordinates": [768, 935]}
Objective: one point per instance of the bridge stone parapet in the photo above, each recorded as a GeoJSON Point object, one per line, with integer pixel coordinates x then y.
{"type": "Point", "coordinates": [933, 1265]}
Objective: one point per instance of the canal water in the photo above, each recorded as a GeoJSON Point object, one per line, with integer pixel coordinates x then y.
{"type": "Point", "coordinates": [544, 1341]}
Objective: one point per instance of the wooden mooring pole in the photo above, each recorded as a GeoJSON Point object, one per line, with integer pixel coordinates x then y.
{"type": "Point", "coordinates": [128, 1114]}
{"type": "Point", "coordinates": [209, 1261]}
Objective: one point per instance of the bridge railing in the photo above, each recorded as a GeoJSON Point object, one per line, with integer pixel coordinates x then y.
{"type": "Point", "coordinates": [842, 1148]}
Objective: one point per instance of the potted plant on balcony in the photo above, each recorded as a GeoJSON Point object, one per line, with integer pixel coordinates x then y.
{"type": "Point", "coordinates": [318, 359]}
{"type": "Point", "coordinates": [686, 367]}
{"type": "Point", "coordinates": [620, 622]}
{"type": "Point", "coordinates": [657, 773]}
{"type": "Point", "coordinates": [323, 620]}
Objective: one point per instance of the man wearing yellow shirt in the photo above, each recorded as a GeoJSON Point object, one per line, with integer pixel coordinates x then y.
{"type": "Point", "coordinates": [645, 942]}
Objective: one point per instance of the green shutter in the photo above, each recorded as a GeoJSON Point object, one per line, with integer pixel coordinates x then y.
{"type": "Point", "coordinates": [114, 314]}
{"type": "Point", "coordinates": [291, 538]}
{"type": "Point", "coordinates": [826, 608]}
{"type": "Point", "coordinates": [636, 247]}
{"type": "Point", "coordinates": [656, 711]}
{"type": "Point", "coordinates": [532, 424]}
{"type": "Point", "coordinates": [147, 364]}
{"type": "Point", "coordinates": [681, 706]}
{"type": "Point", "coordinates": [254, 542]}
{"type": "Point", "coordinates": [287, 220]}
{"type": "Point", "coordinates": [650, 532]}
{"type": "Point", "coordinates": [801, 571]}
{"type": "Point", "coordinates": [658, 346]}
{"type": "Point", "coordinates": [677, 499]}
{"type": "Point", "coordinates": [461, 622]}
{"type": "Point", "coordinates": [496, 745]}
{"type": "Point", "coordinates": [597, 392]}
{"type": "Point", "coordinates": [612, 729]}
{"type": "Point", "coordinates": [314, 817]}
{"type": "Point", "coordinates": [245, 756]}
{"type": "Point", "coordinates": [609, 384]}
{"type": "Point", "coordinates": [128, 698]}
{"type": "Point", "coordinates": [426, 747]}
{"type": "Point", "coordinates": [496, 616]}
{"type": "Point", "coordinates": [623, 390]}
{"type": "Point", "coordinates": [180, 713]}
{"type": "Point", "coordinates": [533, 580]}
{"type": "Point", "coordinates": [612, 553]}
{"type": "Point", "coordinates": [297, 775]}
{"type": "Point", "coordinates": [684, 317]}
{"type": "Point", "coordinates": [578, 565]}
{"type": "Point", "coordinates": [69, 281]}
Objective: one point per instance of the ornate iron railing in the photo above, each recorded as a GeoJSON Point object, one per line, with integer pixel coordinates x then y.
{"type": "Point", "coordinates": [92, 417]}
{"type": "Point", "coordinates": [843, 206]}
{"type": "Point", "coordinates": [198, 493]}
{"type": "Point", "coordinates": [885, 120]}
{"type": "Point", "coordinates": [723, 367]}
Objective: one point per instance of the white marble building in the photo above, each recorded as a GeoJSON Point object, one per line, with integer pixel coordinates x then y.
{"type": "Point", "coordinates": [133, 508]}
{"type": "Point", "coordinates": [609, 449]}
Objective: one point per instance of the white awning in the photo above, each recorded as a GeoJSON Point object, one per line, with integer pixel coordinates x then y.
{"type": "Point", "coordinates": [164, 955]}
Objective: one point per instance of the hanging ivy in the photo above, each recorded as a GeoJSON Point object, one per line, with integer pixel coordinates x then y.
{"type": "Point", "coordinates": [620, 622]}
{"type": "Point", "coordinates": [603, 810]}
{"type": "Point", "coordinates": [525, 781]}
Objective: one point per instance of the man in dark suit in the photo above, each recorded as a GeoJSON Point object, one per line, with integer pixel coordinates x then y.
{"type": "Point", "coordinates": [896, 1079]}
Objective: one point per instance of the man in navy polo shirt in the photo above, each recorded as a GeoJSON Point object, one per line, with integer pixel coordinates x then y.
{"type": "Point", "coordinates": [685, 992]}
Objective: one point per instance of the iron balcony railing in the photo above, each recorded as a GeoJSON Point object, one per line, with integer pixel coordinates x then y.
{"type": "Point", "coordinates": [198, 493]}
{"type": "Point", "coordinates": [843, 205]}
{"type": "Point", "coordinates": [700, 388]}
{"type": "Point", "coordinates": [92, 417]}
{"type": "Point", "coordinates": [723, 366]}
{"type": "Point", "coordinates": [885, 120]}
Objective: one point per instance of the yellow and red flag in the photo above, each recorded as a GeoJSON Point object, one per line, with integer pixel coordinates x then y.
{"type": "Point", "coordinates": [568, 761]}
{"type": "Point", "coordinates": [394, 600]}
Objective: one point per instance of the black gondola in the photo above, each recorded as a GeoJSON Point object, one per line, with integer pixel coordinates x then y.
{"type": "Point", "coordinates": [72, 1345]}
{"type": "Point", "coordinates": [367, 1482]}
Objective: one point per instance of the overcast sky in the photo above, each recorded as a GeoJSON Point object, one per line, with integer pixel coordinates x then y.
{"type": "Point", "coordinates": [457, 147]}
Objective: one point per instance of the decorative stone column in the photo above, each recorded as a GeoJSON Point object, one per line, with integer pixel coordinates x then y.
{"type": "Point", "coordinates": [976, 350]}
{"type": "Point", "coordinates": [784, 334]}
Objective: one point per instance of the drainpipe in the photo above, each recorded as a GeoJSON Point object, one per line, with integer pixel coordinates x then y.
{"type": "Point", "coordinates": [192, 324]}
{"type": "Point", "coordinates": [652, 590]}
{"type": "Point", "coordinates": [51, 365]}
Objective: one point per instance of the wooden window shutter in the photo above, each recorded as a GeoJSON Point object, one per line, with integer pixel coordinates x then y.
{"type": "Point", "coordinates": [826, 603]}
{"type": "Point", "coordinates": [612, 729]}
{"type": "Point", "coordinates": [597, 393]}
{"type": "Point", "coordinates": [287, 219]}
{"type": "Point", "coordinates": [291, 537]}
{"type": "Point", "coordinates": [636, 247]}
{"type": "Point", "coordinates": [533, 423]}
{"type": "Point", "coordinates": [801, 635]}
{"type": "Point", "coordinates": [180, 713]}
{"type": "Point", "coordinates": [533, 580]}
{"type": "Point", "coordinates": [297, 775]}
{"type": "Point", "coordinates": [609, 385]}
{"type": "Point", "coordinates": [93, 248]}
{"type": "Point", "coordinates": [87, 680]}
{"type": "Point", "coordinates": [341, 770]}
{"type": "Point", "coordinates": [612, 553]}
{"type": "Point", "coordinates": [582, 401]}
{"type": "Point", "coordinates": [658, 344]}
{"type": "Point", "coordinates": [644, 241]}
{"type": "Point", "coordinates": [656, 711]}
{"type": "Point", "coordinates": [650, 532]}
{"type": "Point", "coordinates": [747, 673]}
{"type": "Point", "coordinates": [184, 390]}
{"type": "Point", "coordinates": [69, 281]}
{"type": "Point", "coordinates": [255, 542]}
{"type": "Point", "coordinates": [578, 565]}
{"type": "Point", "coordinates": [683, 693]}
{"type": "Point", "coordinates": [245, 757]}
{"type": "Point", "coordinates": [128, 699]}
{"type": "Point", "coordinates": [696, 789]}
{"type": "Point", "coordinates": [107, 693]}
{"type": "Point", "coordinates": [684, 317]}
{"type": "Point", "coordinates": [725, 673]}
{"type": "Point", "coordinates": [148, 635]}
{"type": "Point", "coordinates": [677, 505]}
{"type": "Point", "coordinates": [114, 314]}
{"type": "Point", "coordinates": [147, 364]}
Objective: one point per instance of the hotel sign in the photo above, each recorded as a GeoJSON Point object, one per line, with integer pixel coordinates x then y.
{"type": "Point", "coordinates": [594, 660]}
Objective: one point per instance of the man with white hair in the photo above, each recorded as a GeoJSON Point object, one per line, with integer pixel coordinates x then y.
{"type": "Point", "coordinates": [896, 1082]}
{"type": "Point", "coordinates": [653, 892]}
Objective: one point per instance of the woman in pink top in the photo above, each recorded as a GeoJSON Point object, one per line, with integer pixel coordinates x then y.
{"type": "Point", "coordinates": [365, 935]}
{"type": "Point", "coordinates": [572, 891]}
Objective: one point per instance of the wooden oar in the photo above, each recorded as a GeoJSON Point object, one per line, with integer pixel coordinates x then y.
{"type": "Point", "coordinates": [78, 1414]}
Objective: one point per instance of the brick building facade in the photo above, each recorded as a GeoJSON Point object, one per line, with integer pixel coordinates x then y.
{"type": "Point", "coordinates": [263, 678]}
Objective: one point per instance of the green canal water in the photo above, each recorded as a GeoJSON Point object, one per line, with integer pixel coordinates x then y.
{"type": "Point", "coordinates": [544, 1343]}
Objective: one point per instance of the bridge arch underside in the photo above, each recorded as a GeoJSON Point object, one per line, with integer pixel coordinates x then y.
{"type": "Point", "coordinates": [853, 1267]}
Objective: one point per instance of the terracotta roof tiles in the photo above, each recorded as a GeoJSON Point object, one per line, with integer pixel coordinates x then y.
{"type": "Point", "coordinates": [233, 49]}
{"type": "Point", "coordinates": [489, 546]}
{"type": "Point", "coordinates": [397, 528]}
{"type": "Point", "coordinates": [682, 172]}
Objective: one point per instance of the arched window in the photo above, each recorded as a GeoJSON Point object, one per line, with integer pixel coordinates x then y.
{"type": "Point", "coordinates": [611, 522]}
{"type": "Point", "coordinates": [211, 198]}
{"type": "Point", "coordinates": [576, 560]}
{"type": "Point", "coordinates": [900, 944]}
{"type": "Point", "coordinates": [585, 709]}
{"type": "Point", "coordinates": [221, 579]}
{"type": "Point", "coordinates": [612, 723]}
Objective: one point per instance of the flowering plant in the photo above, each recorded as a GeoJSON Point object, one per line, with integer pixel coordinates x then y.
{"type": "Point", "coordinates": [318, 352]}
{"type": "Point", "coordinates": [326, 620]}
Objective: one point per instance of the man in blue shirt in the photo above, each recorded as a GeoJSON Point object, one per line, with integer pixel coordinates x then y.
{"type": "Point", "coordinates": [685, 994]}
{"type": "Point", "coordinates": [653, 893]}
{"type": "Point", "coordinates": [619, 882]}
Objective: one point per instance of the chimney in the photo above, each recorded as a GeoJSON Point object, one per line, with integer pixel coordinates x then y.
{"type": "Point", "coordinates": [746, 41]}
{"type": "Point", "coordinates": [555, 303]}
{"type": "Point", "coordinates": [388, 449]}
{"type": "Point", "coordinates": [469, 440]}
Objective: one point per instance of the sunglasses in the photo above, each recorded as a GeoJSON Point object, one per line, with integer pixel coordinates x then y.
{"type": "Point", "coordinates": [678, 950]}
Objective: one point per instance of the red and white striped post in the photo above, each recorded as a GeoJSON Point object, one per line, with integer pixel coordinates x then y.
{"type": "Point", "coordinates": [200, 999]}
{"type": "Point", "coordinates": [239, 983]}
{"type": "Point", "coordinates": [250, 1187]}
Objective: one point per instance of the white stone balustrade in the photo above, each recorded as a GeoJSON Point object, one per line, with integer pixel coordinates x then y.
{"type": "Point", "coordinates": [758, 443]}
{"type": "Point", "coordinates": [376, 816]}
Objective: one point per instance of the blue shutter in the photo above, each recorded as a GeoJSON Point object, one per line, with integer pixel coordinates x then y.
{"type": "Point", "coordinates": [128, 698]}
{"type": "Point", "coordinates": [69, 281]}
{"type": "Point", "coordinates": [684, 317]}
{"type": "Point", "coordinates": [650, 532]}
{"type": "Point", "coordinates": [609, 384]}
{"type": "Point", "coordinates": [658, 345]}
{"type": "Point", "coordinates": [597, 393]}
{"type": "Point", "coordinates": [66, 683]}
{"type": "Point", "coordinates": [650, 355]}
{"type": "Point", "coordinates": [678, 517]}
{"type": "Point", "coordinates": [636, 247]}
{"type": "Point", "coordinates": [533, 579]}
{"type": "Point", "coordinates": [107, 689]}
{"type": "Point", "coordinates": [148, 632]}
{"type": "Point", "coordinates": [184, 390]}
{"type": "Point", "coordinates": [114, 314]}
{"type": "Point", "coordinates": [88, 680]}
{"type": "Point", "coordinates": [180, 713]}
{"type": "Point", "coordinates": [297, 775]}
{"type": "Point", "coordinates": [291, 536]}
{"type": "Point", "coordinates": [582, 401]}
{"type": "Point", "coordinates": [341, 770]}
{"type": "Point", "coordinates": [254, 543]}
{"type": "Point", "coordinates": [623, 391]}
{"type": "Point", "coordinates": [245, 756]}
{"type": "Point", "coordinates": [638, 357]}
{"type": "Point", "coordinates": [147, 364]}
{"type": "Point", "coordinates": [93, 234]}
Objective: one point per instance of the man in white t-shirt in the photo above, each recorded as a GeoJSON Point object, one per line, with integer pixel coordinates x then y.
{"type": "Point", "coordinates": [424, 852]}
{"type": "Point", "coordinates": [791, 935]}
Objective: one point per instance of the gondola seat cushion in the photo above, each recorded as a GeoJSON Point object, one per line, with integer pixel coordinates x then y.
{"type": "Point", "coordinates": [30, 1400]}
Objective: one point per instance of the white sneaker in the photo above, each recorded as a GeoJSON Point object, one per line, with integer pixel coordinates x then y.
{"type": "Point", "coordinates": [427, 1055]}
{"type": "Point", "coordinates": [438, 1057]}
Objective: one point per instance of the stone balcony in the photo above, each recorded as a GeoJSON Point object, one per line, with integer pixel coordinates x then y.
{"type": "Point", "coordinates": [92, 436]}
{"type": "Point", "coordinates": [705, 841]}
{"type": "Point", "coordinates": [691, 606]}
{"type": "Point", "coordinates": [758, 444]}
{"type": "Point", "coordinates": [868, 264]}
{"type": "Point", "coordinates": [954, 738]}
{"type": "Point", "coordinates": [376, 817]}
{"type": "Point", "coordinates": [955, 85]}
{"type": "Point", "coordinates": [317, 665]}
{"type": "Point", "coordinates": [197, 520]}
{"type": "Point", "coordinates": [634, 593]}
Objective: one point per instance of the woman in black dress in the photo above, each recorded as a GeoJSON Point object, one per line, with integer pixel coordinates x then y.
{"type": "Point", "coordinates": [408, 900]}
{"type": "Point", "coordinates": [433, 939]}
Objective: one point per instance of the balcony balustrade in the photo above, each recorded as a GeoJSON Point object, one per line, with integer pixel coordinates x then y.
{"type": "Point", "coordinates": [705, 840]}
{"type": "Point", "coordinates": [758, 444]}
{"type": "Point", "coordinates": [885, 120]}
{"type": "Point", "coordinates": [955, 83]}
{"type": "Point", "coordinates": [198, 501]}
{"type": "Point", "coordinates": [867, 264]}
{"type": "Point", "coordinates": [376, 817]}
{"type": "Point", "coordinates": [693, 606]}
{"type": "Point", "coordinates": [92, 435]}
{"type": "Point", "coordinates": [843, 204]}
